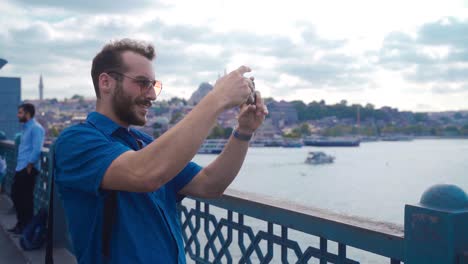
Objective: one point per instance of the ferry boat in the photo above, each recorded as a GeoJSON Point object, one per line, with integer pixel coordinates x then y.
{"type": "Point", "coordinates": [212, 146]}
{"type": "Point", "coordinates": [292, 143]}
{"type": "Point", "coordinates": [274, 142]}
{"type": "Point", "coordinates": [258, 143]}
{"type": "Point", "coordinates": [332, 142]}
{"type": "Point", "coordinates": [397, 138]}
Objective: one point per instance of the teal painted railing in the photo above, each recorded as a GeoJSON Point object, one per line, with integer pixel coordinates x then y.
{"type": "Point", "coordinates": [247, 228]}
{"type": "Point", "coordinates": [41, 190]}
{"type": "Point", "coordinates": [212, 239]}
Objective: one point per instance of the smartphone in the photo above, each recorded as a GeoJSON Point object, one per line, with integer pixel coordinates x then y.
{"type": "Point", "coordinates": [253, 96]}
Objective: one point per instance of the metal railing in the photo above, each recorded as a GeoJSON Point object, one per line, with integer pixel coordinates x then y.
{"type": "Point", "coordinates": [240, 227]}
{"type": "Point", "coordinates": [219, 232]}
{"type": "Point", "coordinates": [41, 190]}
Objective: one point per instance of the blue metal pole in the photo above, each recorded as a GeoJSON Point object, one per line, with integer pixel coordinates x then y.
{"type": "Point", "coordinates": [436, 230]}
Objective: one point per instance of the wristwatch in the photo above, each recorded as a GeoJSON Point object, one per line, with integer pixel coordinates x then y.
{"type": "Point", "coordinates": [240, 136]}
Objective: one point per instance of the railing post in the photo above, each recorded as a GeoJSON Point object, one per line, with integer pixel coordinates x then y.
{"type": "Point", "coordinates": [436, 230]}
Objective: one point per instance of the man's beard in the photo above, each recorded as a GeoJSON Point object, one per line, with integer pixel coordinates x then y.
{"type": "Point", "coordinates": [124, 106]}
{"type": "Point", "coordinates": [22, 119]}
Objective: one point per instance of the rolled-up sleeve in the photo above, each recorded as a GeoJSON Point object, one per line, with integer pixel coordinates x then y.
{"type": "Point", "coordinates": [82, 157]}
{"type": "Point", "coordinates": [37, 140]}
{"type": "Point", "coordinates": [183, 178]}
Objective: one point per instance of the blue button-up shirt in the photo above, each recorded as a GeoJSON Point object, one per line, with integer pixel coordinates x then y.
{"type": "Point", "coordinates": [146, 229]}
{"type": "Point", "coordinates": [29, 149]}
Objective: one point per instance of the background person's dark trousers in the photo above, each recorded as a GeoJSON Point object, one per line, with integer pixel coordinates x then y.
{"type": "Point", "coordinates": [22, 194]}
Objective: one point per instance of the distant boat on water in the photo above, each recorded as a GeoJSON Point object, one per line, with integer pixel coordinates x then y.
{"type": "Point", "coordinates": [396, 138]}
{"type": "Point", "coordinates": [332, 142]}
{"type": "Point", "coordinates": [318, 157]}
{"type": "Point", "coordinates": [292, 143]}
{"type": "Point", "coordinates": [212, 146]}
{"type": "Point", "coordinates": [274, 142]}
{"type": "Point", "coordinates": [266, 142]}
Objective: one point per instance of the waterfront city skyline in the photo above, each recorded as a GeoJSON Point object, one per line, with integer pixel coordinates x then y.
{"type": "Point", "coordinates": [408, 55]}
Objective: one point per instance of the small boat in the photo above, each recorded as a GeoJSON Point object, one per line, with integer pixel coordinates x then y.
{"type": "Point", "coordinates": [318, 157]}
{"type": "Point", "coordinates": [212, 146]}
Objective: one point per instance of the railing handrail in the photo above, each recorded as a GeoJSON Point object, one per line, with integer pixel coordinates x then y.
{"type": "Point", "coordinates": [7, 142]}
{"type": "Point", "coordinates": [11, 144]}
{"type": "Point", "coordinates": [382, 238]}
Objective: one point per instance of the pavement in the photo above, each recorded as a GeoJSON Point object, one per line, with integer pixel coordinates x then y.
{"type": "Point", "coordinates": [10, 250]}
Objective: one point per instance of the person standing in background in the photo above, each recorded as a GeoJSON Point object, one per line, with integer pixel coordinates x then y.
{"type": "Point", "coordinates": [27, 167]}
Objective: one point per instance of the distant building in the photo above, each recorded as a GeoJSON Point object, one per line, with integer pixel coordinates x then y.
{"type": "Point", "coordinates": [41, 89]}
{"type": "Point", "coordinates": [282, 113]}
{"type": "Point", "coordinates": [228, 118]}
{"type": "Point", "coordinates": [10, 98]}
{"type": "Point", "coordinates": [202, 90]}
{"type": "Point", "coordinates": [267, 130]}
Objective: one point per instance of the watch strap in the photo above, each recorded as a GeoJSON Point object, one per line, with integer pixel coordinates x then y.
{"type": "Point", "coordinates": [240, 136]}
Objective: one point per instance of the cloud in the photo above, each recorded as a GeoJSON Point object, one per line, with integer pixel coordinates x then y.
{"type": "Point", "coordinates": [310, 37]}
{"type": "Point", "coordinates": [70, 44]}
{"type": "Point", "coordinates": [400, 51]}
{"type": "Point", "coordinates": [326, 74]}
{"type": "Point", "coordinates": [437, 53]}
{"type": "Point", "coordinates": [64, 45]}
{"type": "Point", "coordinates": [458, 56]}
{"type": "Point", "coordinates": [447, 31]}
{"type": "Point", "coordinates": [93, 6]}
{"type": "Point", "coordinates": [333, 69]}
{"type": "Point", "coordinates": [449, 89]}
{"type": "Point", "coordinates": [330, 71]}
{"type": "Point", "coordinates": [438, 73]}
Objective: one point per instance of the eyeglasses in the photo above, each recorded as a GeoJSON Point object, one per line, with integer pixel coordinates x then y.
{"type": "Point", "coordinates": [145, 84]}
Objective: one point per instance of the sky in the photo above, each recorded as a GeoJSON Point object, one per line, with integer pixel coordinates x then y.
{"type": "Point", "coordinates": [410, 55]}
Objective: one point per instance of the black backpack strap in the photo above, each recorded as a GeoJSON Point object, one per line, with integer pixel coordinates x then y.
{"type": "Point", "coordinates": [49, 257]}
{"type": "Point", "coordinates": [110, 210]}
{"type": "Point", "coordinates": [110, 213]}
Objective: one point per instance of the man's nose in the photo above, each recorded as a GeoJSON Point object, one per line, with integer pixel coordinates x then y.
{"type": "Point", "coordinates": [151, 94]}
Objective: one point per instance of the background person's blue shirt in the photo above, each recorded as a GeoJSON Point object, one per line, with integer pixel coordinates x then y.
{"type": "Point", "coordinates": [29, 149]}
{"type": "Point", "coordinates": [146, 229]}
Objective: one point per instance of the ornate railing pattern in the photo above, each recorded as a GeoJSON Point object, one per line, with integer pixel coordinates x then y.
{"type": "Point", "coordinates": [8, 152]}
{"type": "Point", "coordinates": [212, 238]}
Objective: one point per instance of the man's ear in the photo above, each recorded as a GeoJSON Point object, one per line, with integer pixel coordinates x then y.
{"type": "Point", "coordinates": [106, 82]}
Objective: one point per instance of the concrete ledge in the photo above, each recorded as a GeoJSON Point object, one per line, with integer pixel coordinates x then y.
{"type": "Point", "coordinates": [8, 220]}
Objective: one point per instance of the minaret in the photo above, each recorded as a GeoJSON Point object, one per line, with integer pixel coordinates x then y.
{"type": "Point", "coordinates": [358, 116]}
{"type": "Point", "coordinates": [41, 89]}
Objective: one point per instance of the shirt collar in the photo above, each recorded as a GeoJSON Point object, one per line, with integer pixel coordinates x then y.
{"type": "Point", "coordinates": [103, 123]}
{"type": "Point", "coordinates": [29, 122]}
